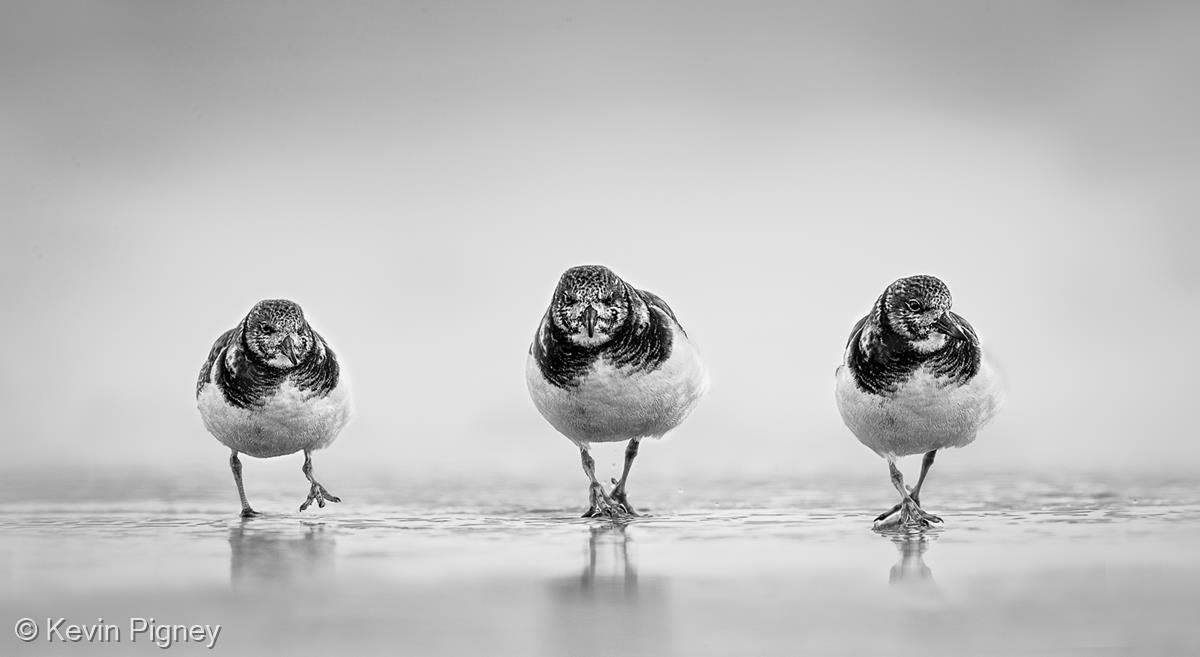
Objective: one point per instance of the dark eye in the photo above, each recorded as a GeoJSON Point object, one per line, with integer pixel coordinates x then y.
{"type": "Point", "coordinates": [914, 305]}
{"type": "Point", "coordinates": [266, 328]}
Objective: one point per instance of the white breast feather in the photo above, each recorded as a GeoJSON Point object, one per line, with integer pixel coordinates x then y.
{"type": "Point", "coordinates": [925, 414]}
{"type": "Point", "coordinates": [292, 420]}
{"type": "Point", "coordinates": [610, 404]}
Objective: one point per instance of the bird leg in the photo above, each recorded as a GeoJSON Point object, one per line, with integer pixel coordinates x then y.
{"type": "Point", "coordinates": [618, 492]}
{"type": "Point", "coordinates": [235, 464]}
{"type": "Point", "coordinates": [911, 514]}
{"type": "Point", "coordinates": [601, 503]}
{"type": "Point", "coordinates": [915, 492]}
{"type": "Point", "coordinates": [316, 491]}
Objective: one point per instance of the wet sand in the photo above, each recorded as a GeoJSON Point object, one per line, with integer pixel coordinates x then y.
{"type": "Point", "coordinates": [1048, 567]}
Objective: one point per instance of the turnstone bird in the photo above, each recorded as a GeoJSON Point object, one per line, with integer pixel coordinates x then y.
{"type": "Point", "coordinates": [272, 386]}
{"type": "Point", "coordinates": [914, 381]}
{"type": "Point", "coordinates": [611, 363]}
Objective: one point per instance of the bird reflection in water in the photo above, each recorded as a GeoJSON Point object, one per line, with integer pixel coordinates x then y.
{"type": "Point", "coordinates": [910, 573]}
{"type": "Point", "coordinates": [280, 555]}
{"type": "Point", "coordinates": [608, 567]}
{"type": "Point", "coordinates": [608, 601]}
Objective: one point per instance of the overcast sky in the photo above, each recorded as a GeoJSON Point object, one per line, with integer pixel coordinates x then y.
{"type": "Point", "coordinates": [417, 176]}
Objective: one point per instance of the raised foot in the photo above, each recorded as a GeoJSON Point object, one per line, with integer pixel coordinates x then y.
{"type": "Point", "coordinates": [907, 514]}
{"type": "Point", "coordinates": [318, 493]}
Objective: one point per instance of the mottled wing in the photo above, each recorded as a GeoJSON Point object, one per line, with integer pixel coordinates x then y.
{"type": "Point", "coordinates": [218, 351]}
{"type": "Point", "coordinates": [321, 373]}
{"type": "Point", "coordinates": [654, 301]}
{"type": "Point", "coordinates": [560, 361]}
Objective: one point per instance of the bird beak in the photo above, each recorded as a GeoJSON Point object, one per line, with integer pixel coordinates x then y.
{"type": "Point", "coordinates": [289, 350]}
{"type": "Point", "coordinates": [589, 320]}
{"type": "Point", "coordinates": [946, 324]}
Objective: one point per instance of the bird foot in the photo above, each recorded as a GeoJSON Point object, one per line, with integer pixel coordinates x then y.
{"type": "Point", "coordinates": [247, 512]}
{"type": "Point", "coordinates": [606, 506]}
{"type": "Point", "coordinates": [908, 515]}
{"type": "Point", "coordinates": [318, 493]}
{"type": "Point", "coordinates": [915, 498]}
{"type": "Point", "coordinates": [618, 496]}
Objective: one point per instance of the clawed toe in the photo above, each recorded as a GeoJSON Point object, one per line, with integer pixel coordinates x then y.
{"type": "Point", "coordinates": [610, 511]}
{"type": "Point", "coordinates": [318, 493]}
{"type": "Point", "coordinates": [249, 513]}
{"type": "Point", "coordinates": [887, 521]}
{"type": "Point", "coordinates": [604, 505]}
{"type": "Point", "coordinates": [600, 502]}
{"type": "Point", "coordinates": [327, 495]}
{"type": "Point", "coordinates": [915, 495]}
{"type": "Point", "coordinates": [604, 511]}
{"type": "Point", "coordinates": [907, 515]}
{"type": "Point", "coordinates": [883, 516]}
{"type": "Point", "coordinates": [913, 515]}
{"type": "Point", "coordinates": [623, 504]}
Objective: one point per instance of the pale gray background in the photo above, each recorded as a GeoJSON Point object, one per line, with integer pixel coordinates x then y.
{"type": "Point", "coordinates": [417, 175]}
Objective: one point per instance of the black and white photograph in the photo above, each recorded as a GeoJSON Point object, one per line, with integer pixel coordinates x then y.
{"type": "Point", "coordinates": [555, 329]}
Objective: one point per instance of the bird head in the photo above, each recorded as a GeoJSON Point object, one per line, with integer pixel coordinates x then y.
{"type": "Point", "coordinates": [590, 304]}
{"type": "Point", "coordinates": [277, 334]}
{"type": "Point", "coordinates": [918, 309]}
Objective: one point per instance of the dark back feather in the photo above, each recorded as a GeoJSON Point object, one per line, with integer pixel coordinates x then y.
{"type": "Point", "coordinates": [888, 359]}
{"type": "Point", "coordinates": [246, 383]}
{"type": "Point", "coordinates": [635, 347]}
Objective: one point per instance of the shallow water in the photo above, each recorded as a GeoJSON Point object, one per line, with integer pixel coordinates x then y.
{"type": "Point", "coordinates": [1042, 567]}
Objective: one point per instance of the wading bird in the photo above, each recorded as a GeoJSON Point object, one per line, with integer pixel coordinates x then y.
{"type": "Point", "coordinates": [610, 363]}
{"type": "Point", "coordinates": [914, 381]}
{"type": "Point", "coordinates": [272, 386]}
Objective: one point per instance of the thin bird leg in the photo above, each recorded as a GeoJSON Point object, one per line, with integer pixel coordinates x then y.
{"type": "Point", "coordinates": [316, 490]}
{"type": "Point", "coordinates": [915, 493]}
{"type": "Point", "coordinates": [926, 463]}
{"type": "Point", "coordinates": [618, 492]}
{"type": "Point", "coordinates": [910, 513]}
{"type": "Point", "coordinates": [235, 464]}
{"type": "Point", "coordinates": [898, 482]}
{"type": "Point", "coordinates": [601, 503]}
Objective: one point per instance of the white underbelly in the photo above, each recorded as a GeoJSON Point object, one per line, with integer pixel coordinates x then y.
{"type": "Point", "coordinates": [291, 421]}
{"type": "Point", "coordinates": [610, 404]}
{"type": "Point", "coordinates": [923, 415]}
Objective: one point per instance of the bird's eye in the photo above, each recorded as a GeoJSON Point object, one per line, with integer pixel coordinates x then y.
{"type": "Point", "coordinates": [914, 305]}
{"type": "Point", "coordinates": [266, 328]}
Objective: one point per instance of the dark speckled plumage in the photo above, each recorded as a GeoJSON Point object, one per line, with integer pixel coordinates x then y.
{"type": "Point", "coordinates": [642, 344]}
{"type": "Point", "coordinates": [249, 382]}
{"type": "Point", "coordinates": [888, 359]}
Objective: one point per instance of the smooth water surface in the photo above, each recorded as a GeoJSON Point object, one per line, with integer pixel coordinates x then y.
{"type": "Point", "coordinates": [1020, 567]}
